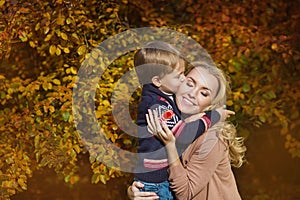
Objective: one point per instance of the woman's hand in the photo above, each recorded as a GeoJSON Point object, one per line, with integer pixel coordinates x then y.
{"type": "Point", "coordinates": [162, 131]}
{"type": "Point", "coordinates": [134, 193]}
{"type": "Point", "coordinates": [159, 128]}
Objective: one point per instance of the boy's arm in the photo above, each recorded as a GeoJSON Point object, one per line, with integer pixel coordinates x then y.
{"type": "Point", "coordinates": [188, 131]}
{"type": "Point", "coordinates": [195, 125]}
{"type": "Point", "coordinates": [219, 114]}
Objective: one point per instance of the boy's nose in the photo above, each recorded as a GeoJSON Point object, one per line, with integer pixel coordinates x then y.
{"type": "Point", "coordinates": [182, 78]}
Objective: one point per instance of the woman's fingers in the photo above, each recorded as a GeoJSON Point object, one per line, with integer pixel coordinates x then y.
{"type": "Point", "coordinates": [158, 127]}
{"type": "Point", "coordinates": [149, 126]}
{"type": "Point", "coordinates": [145, 196]}
{"type": "Point", "coordinates": [136, 186]}
{"type": "Point", "coordinates": [153, 122]}
{"type": "Point", "coordinates": [157, 121]}
{"type": "Point", "coordinates": [166, 128]}
{"type": "Point", "coordinates": [151, 119]}
{"type": "Point", "coordinates": [134, 192]}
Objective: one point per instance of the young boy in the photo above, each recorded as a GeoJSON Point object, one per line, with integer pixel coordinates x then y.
{"type": "Point", "coordinates": [160, 70]}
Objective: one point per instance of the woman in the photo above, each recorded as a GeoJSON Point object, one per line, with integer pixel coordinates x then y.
{"type": "Point", "coordinates": [204, 172]}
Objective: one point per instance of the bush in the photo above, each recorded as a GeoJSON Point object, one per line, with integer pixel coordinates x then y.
{"type": "Point", "coordinates": [43, 44]}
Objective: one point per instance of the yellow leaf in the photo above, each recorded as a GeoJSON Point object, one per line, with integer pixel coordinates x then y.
{"type": "Point", "coordinates": [2, 77]}
{"type": "Point", "coordinates": [91, 62]}
{"type": "Point", "coordinates": [47, 86]}
{"type": "Point", "coordinates": [10, 91]}
{"type": "Point", "coordinates": [44, 85]}
{"type": "Point", "coordinates": [105, 103]}
{"type": "Point", "coordinates": [52, 49]}
{"type": "Point", "coordinates": [61, 20]}
{"type": "Point", "coordinates": [103, 179]}
{"type": "Point", "coordinates": [99, 113]}
{"type": "Point", "coordinates": [66, 50]}
{"type": "Point", "coordinates": [58, 51]}
{"type": "Point", "coordinates": [64, 36]}
{"type": "Point", "coordinates": [113, 139]}
{"type": "Point", "coordinates": [69, 20]}
{"type": "Point", "coordinates": [274, 46]}
{"type": "Point", "coordinates": [231, 69]}
{"type": "Point", "coordinates": [81, 50]}
{"type": "Point", "coordinates": [2, 2]}
{"type": "Point", "coordinates": [7, 184]}
{"type": "Point", "coordinates": [74, 35]}
{"type": "Point", "coordinates": [95, 54]}
{"type": "Point", "coordinates": [127, 142]}
{"type": "Point", "coordinates": [58, 33]}
{"type": "Point", "coordinates": [21, 88]}
{"type": "Point", "coordinates": [51, 109]}
{"type": "Point", "coordinates": [76, 148]}
{"type": "Point", "coordinates": [37, 26]}
{"type": "Point", "coordinates": [71, 70]}
{"type": "Point", "coordinates": [48, 37]}
{"type": "Point", "coordinates": [74, 179]}
{"type": "Point", "coordinates": [46, 29]}
{"type": "Point", "coordinates": [229, 102]}
{"type": "Point", "coordinates": [22, 183]}
{"type": "Point", "coordinates": [39, 113]}
{"type": "Point", "coordinates": [31, 43]}
{"type": "Point", "coordinates": [56, 81]}
{"type": "Point", "coordinates": [109, 9]}
{"type": "Point", "coordinates": [114, 127]}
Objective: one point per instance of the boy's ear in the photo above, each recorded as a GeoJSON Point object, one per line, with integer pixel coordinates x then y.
{"type": "Point", "coordinates": [156, 81]}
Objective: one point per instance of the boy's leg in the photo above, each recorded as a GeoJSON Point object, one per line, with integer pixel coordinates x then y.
{"type": "Point", "coordinates": [161, 189]}
{"type": "Point", "coordinates": [165, 191]}
{"type": "Point", "coordinates": [149, 187]}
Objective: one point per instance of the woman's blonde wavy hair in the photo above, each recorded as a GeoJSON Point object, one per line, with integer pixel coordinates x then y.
{"type": "Point", "coordinates": [226, 131]}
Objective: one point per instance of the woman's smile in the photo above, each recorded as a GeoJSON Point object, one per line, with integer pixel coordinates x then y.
{"type": "Point", "coordinates": [188, 102]}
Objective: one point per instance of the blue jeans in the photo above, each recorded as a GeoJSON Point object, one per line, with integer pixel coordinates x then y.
{"type": "Point", "coordinates": [161, 189]}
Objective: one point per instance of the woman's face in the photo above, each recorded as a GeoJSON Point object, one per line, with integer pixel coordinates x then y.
{"type": "Point", "coordinates": [197, 91]}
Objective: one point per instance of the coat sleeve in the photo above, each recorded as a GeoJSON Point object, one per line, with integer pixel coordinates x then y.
{"type": "Point", "coordinates": [199, 163]}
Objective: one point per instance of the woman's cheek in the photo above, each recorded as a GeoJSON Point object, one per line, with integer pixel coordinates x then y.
{"type": "Point", "coordinates": [182, 88]}
{"type": "Point", "coordinates": [204, 102]}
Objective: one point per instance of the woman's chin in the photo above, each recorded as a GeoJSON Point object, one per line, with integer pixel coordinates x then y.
{"type": "Point", "coordinates": [188, 109]}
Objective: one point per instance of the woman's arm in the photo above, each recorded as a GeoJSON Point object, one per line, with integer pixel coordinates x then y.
{"type": "Point", "coordinates": [199, 161]}
{"type": "Point", "coordinates": [199, 164]}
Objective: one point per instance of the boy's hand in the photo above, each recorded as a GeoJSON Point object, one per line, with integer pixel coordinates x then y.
{"type": "Point", "coordinates": [194, 117]}
{"type": "Point", "coordinates": [224, 113]}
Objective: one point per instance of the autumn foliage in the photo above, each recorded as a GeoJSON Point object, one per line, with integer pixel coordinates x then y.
{"type": "Point", "coordinates": [43, 44]}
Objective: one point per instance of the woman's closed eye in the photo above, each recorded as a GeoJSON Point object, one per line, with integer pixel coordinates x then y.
{"type": "Point", "coordinates": [205, 94]}
{"type": "Point", "coordinates": [190, 83]}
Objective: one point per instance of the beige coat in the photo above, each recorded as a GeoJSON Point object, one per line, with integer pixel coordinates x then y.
{"type": "Point", "coordinates": [205, 173]}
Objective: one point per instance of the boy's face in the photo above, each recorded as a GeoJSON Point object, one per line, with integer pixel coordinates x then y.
{"type": "Point", "coordinates": [171, 82]}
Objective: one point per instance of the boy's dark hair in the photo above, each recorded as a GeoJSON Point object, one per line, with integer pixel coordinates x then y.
{"type": "Point", "coordinates": [157, 58]}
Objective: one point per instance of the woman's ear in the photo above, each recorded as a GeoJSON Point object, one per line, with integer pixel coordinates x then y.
{"type": "Point", "coordinates": [156, 81]}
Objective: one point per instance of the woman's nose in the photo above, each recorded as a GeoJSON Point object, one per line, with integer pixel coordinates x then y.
{"type": "Point", "coordinates": [191, 94]}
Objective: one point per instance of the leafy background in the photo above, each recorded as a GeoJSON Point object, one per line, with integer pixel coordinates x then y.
{"type": "Point", "coordinates": [43, 44]}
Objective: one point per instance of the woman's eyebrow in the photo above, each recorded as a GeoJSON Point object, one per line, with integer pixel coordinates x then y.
{"type": "Point", "coordinates": [206, 88]}
{"type": "Point", "coordinates": [203, 87]}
